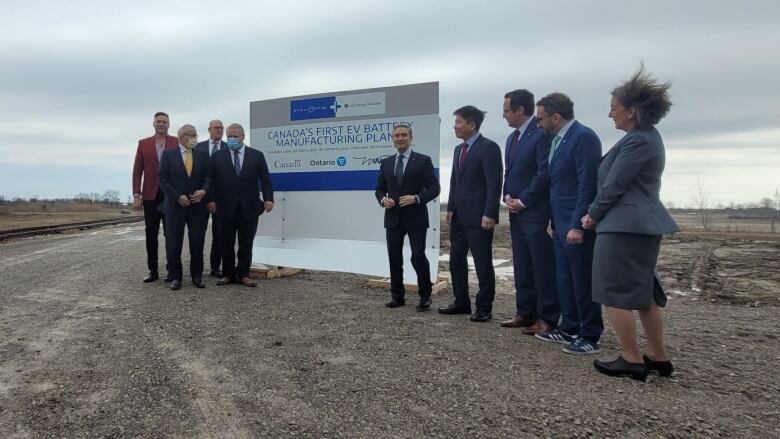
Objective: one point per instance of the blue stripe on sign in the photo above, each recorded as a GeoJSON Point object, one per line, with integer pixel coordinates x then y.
{"type": "Point", "coordinates": [315, 108]}
{"type": "Point", "coordinates": [327, 180]}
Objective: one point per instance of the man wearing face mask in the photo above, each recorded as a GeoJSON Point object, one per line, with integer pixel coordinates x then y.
{"type": "Point", "coordinates": [184, 178]}
{"type": "Point", "coordinates": [242, 192]}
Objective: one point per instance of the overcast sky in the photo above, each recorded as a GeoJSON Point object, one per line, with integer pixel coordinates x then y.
{"type": "Point", "coordinates": [80, 81]}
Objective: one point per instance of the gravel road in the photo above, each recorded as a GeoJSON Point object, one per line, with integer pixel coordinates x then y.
{"type": "Point", "coordinates": [87, 350]}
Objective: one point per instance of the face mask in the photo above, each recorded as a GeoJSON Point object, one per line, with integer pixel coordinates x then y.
{"type": "Point", "coordinates": [233, 144]}
{"type": "Point", "coordinates": [191, 143]}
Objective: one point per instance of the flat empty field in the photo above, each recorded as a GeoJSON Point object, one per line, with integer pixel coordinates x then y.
{"type": "Point", "coordinates": [87, 350]}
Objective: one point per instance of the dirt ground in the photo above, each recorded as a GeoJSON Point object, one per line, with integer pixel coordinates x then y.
{"type": "Point", "coordinates": [87, 350]}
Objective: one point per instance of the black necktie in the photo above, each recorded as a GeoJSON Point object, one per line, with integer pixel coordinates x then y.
{"type": "Point", "coordinates": [214, 148]}
{"type": "Point", "coordinates": [513, 144]}
{"type": "Point", "coordinates": [399, 169]}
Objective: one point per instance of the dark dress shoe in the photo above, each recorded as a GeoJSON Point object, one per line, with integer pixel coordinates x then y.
{"type": "Point", "coordinates": [168, 279]}
{"type": "Point", "coordinates": [481, 316]}
{"type": "Point", "coordinates": [151, 277]}
{"type": "Point", "coordinates": [217, 273]}
{"type": "Point", "coordinates": [423, 305]}
{"type": "Point", "coordinates": [198, 282]}
{"type": "Point", "coordinates": [664, 368]}
{"type": "Point", "coordinates": [454, 309]}
{"type": "Point", "coordinates": [248, 282]}
{"type": "Point", "coordinates": [395, 303]}
{"type": "Point", "coordinates": [224, 281]}
{"type": "Point", "coordinates": [517, 322]}
{"type": "Point", "coordinates": [176, 285]}
{"type": "Point", "coordinates": [619, 367]}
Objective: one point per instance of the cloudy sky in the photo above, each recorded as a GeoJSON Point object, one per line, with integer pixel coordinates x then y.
{"type": "Point", "coordinates": [80, 81]}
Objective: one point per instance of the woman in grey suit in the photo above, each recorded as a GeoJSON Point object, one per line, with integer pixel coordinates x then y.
{"type": "Point", "coordinates": [629, 220]}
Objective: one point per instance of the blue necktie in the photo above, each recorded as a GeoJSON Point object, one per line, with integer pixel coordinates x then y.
{"type": "Point", "coordinates": [236, 163]}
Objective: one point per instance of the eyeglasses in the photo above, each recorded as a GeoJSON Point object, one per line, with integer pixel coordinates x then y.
{"type": "Point", "coordinates": [540, 118]}
{"type": "Point", "coordinates": [195, 135]}
{"type": "Point", "coordinates": [232, 137]}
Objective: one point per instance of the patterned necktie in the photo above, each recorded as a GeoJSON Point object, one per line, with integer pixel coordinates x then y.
{"type": "Point", "coordinates": [188, 161]}
{"type": "Point", "coordinates": [464, 150]}
{"type": "Point", "coordinates": [555, 142]}
{"type": "Point", "coordinates": [213, 147]}
{"type": "Point", "coordinates": [236, 163]}
{"type": "Point", "coordinates": [399, 169]}
{"type": "Point", "coordinates": [513, 144]}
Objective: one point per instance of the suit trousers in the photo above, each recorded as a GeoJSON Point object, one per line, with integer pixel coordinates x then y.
{"type": "Point", "coordinates": [395, 253]}
{"type": "Point", "coordinates": [152, 220]}
{"type": "Point", "coordinates": [480, 243]}
{"type": "Point", "coordinates": [534, 269]}
{"type": "Point", "coordinates": [215, 256]}
{"type": "Point", "coordinates": [245, 228]}
{"type": "Point", "coordinates": [580, 315]}
{"type": "Point", "coordinates": [193, 218]}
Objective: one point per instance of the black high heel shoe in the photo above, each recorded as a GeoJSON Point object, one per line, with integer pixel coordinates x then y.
{"type": "Point", "coordinates": [620, 367]}
{"type": "Point", "coordinates": [664, 368]}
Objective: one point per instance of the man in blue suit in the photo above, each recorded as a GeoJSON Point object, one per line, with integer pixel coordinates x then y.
{"type": "Point", "coordinates": [472, 213]}
{"type": "Point", "coordinates": [575, 152]}
{"type": "Point", "coordinates": [210, 146]}
{"type": "Point", "coordinates": [526, 194]}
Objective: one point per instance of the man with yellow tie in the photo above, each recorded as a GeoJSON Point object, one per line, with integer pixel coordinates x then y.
{"type": "Point", "coordinates": [184, 179]}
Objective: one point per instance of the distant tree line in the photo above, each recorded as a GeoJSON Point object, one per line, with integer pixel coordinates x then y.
{"type": "Point", "coordinates": [109, 197]}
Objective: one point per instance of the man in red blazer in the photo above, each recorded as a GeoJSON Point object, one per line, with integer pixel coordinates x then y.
{"type": "Point", "coordinates": [148, 194]}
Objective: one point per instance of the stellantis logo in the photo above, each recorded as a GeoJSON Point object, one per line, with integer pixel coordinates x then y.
{"type": "Point", "coordinates": [327, 107]}
{"type": "Point", "coordinates": [341, 161]}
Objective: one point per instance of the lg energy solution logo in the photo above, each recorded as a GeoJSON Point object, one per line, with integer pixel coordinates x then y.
{"type": "Point", "coordinates": [362, 104]}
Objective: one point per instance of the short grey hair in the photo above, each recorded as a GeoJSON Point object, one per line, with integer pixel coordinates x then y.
{"type": "Point", "coordinates": [184, 127]}
{"type": "Point", "coordinates": [235, 125]}
{"type": "Point", "coordinates": [402, 125]}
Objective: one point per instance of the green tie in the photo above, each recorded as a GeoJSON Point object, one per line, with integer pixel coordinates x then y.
{"type": "Point", "coordinates": [556, 140]}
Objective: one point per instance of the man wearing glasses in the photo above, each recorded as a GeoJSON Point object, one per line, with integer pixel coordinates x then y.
{"type": "Point", "coordinates": [527, 195]}
{"type": "Point", "coordinates": [575, 153]}
{"type": "Point", "coordinates": [211, 146]}
{"type": "Point", "coordinates": [184, 178]}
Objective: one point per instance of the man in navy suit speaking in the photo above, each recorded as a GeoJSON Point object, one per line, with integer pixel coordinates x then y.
{"type": "Point", "coordinates": [406, 183]}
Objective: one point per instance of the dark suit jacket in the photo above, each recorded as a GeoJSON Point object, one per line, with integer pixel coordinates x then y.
{"type": "Point", "coordinates": [526, 175]}
{"type": "Point", "coordinates": [146, 166]}
{"type": "Point", "coordinates": [228, 188]}
{"type": "Point", "coordinates": [175, 182]}
{"type": "Point", "coordinates": [204, 146]}
{"type": "Point", "coordinates": [419, 179]}
{"type": "Point", "coordinates": [629, 186]}
{"type": "Point", "coordinates": [573, 177]}
{"type": "Point", "coordinates": [476, 191]}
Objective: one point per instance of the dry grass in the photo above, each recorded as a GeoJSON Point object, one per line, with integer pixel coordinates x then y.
{"type": "Point", "coordinates": [14, 216]}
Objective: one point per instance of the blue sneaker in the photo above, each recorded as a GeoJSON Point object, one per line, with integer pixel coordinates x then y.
{"type": "Point", "coordinates": [556, 336]}
{"type": "Point", "coordinates": [582, 346]}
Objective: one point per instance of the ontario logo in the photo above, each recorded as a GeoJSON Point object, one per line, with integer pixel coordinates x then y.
{"type": "Point", "coordinates": [341, 161]}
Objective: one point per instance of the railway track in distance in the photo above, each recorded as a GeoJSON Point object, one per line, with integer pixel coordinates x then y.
{"type": "Point", "coordinates": [59, 228]}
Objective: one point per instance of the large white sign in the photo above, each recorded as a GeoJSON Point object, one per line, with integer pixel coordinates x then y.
{"type": "Point", "coordinates": [323, 152]}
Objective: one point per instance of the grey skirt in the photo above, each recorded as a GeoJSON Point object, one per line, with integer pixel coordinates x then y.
{"type": "Point", "coordinates": [624, 271]}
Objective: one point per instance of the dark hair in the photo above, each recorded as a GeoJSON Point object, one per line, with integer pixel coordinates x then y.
{"type": "Point", "coordinates": [521, 98]}
{"type": "Point", "coordinates": [557, 103]}
{"type": "Point", "coordinates": [402, 125]}
{"type": "Point", "coordinates": [649, 97]}
{"type": "Point", "coordinates": [161, 113]}
{"type": "Point", "coordinates": [471, 114]}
